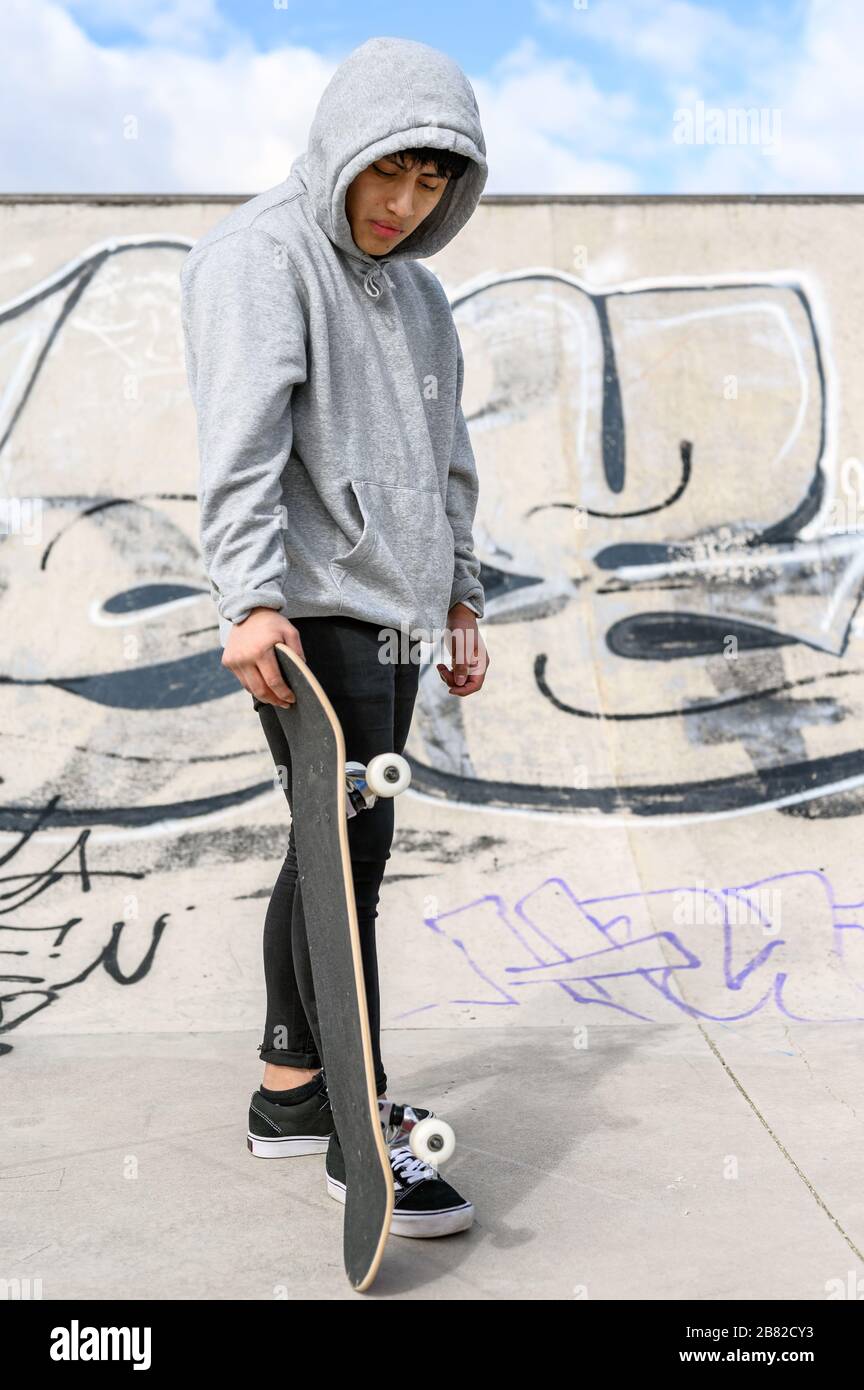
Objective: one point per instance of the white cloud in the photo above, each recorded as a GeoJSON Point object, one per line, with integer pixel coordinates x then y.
{"type": "Point", "coordinates": [818, 93]}
{"type": "Point", "coordinates": [215, 115]}
{"type": "Point", "coordinates": [232, 123]}
{"type": "Point", "coordinates": [549, 129]}
{"type": "Point", "coordinates": [808, 71]}
{"type": "Point", "coordinates": [186, 22]}
{"type": "Point", "coordinates": [673, 37]}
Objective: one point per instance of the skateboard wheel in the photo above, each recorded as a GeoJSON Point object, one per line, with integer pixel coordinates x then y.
{"type": "Point", "coordinates": [388, 774]}
{"type": "Point", "coordinates": [432, 1140]}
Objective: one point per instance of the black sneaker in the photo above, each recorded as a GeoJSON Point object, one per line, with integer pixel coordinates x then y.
{"type": "Point", "coordinates": [283, 1131]}
{"type": "Point", "coordinates": [425, 1205]}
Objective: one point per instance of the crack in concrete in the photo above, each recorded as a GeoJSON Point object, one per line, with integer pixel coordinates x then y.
{"type": "Point", "coordinates": [785, 1152]}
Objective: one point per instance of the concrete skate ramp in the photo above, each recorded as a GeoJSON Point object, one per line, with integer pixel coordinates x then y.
{"type": "Point", "coordinates": [649, 814]}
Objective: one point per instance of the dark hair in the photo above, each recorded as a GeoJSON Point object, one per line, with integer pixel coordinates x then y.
{"type": "Point", "coordinates": [448, 163]}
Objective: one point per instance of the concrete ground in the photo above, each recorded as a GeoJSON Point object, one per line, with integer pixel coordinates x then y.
{"type": "Point", "coordinates": [657, 1162]}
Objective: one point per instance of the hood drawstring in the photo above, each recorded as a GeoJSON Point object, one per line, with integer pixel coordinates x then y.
{"type": "Point", "coordinates": [371, 283]}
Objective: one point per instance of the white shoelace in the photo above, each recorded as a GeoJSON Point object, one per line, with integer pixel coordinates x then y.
{"type": "Point", "coordinates": [408, 1168]}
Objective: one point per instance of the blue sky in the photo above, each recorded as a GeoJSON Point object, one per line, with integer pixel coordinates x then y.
{"type": "Point", "coordinates": [574, 98]}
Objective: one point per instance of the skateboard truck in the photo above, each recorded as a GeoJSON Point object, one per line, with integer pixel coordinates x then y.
{"type": "Point", "coordinates": [387, 774]}
{"type": "Point", "coordinates": [430, 1139]}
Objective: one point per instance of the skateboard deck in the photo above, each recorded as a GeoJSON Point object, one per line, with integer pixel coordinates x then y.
{"type": "Point", "coordinates": [320, 815]}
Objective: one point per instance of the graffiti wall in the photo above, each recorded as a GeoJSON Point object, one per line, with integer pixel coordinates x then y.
{"type": "Point", "coordinates": [653, 808]}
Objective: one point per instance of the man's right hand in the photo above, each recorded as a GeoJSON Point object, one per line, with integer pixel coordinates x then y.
{"type": "Point", "coordinates": [249, 654]}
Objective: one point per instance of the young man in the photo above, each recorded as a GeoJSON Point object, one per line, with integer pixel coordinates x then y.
{"type": "Point", "coordinates": [337, 493]}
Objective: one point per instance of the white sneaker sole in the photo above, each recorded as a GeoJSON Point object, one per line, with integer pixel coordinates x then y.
{"type": "Point", "coordinates": [417, 1224]}
{"type": "Point", "coordinates": [286, 1146]}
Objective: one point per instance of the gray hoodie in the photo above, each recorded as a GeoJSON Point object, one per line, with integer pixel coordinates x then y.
{"type": "Point", "coordinates": [336, 471]}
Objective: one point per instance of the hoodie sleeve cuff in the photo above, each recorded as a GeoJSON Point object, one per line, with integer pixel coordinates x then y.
{"type": "Point", "coordinates": [472, 598]}
{"type": "Point", "coordinates": [237, 607]}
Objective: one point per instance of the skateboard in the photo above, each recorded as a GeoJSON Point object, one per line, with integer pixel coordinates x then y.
{"type": "Point", "coordinates": [326, 792]}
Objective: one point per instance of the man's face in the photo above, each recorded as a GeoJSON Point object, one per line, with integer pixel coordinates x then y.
{"type": "Point", "coordinates": [390, 192]}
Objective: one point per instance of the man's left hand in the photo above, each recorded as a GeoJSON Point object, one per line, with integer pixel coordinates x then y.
{"type": "Point", "coordinates": [470, 659]}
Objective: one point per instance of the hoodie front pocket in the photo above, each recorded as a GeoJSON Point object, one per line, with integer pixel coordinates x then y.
{"type": "Point", "coordinates": [405, 553]}
{"type": "Point", "coordinates": [366, 535]}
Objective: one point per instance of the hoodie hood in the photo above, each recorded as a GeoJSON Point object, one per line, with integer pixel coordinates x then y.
{"type": "Point", "coordinates": [388, 95]}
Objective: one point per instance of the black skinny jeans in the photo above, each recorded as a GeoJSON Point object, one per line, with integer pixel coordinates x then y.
{"type": "Point", "coordinates": [374, 702]}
